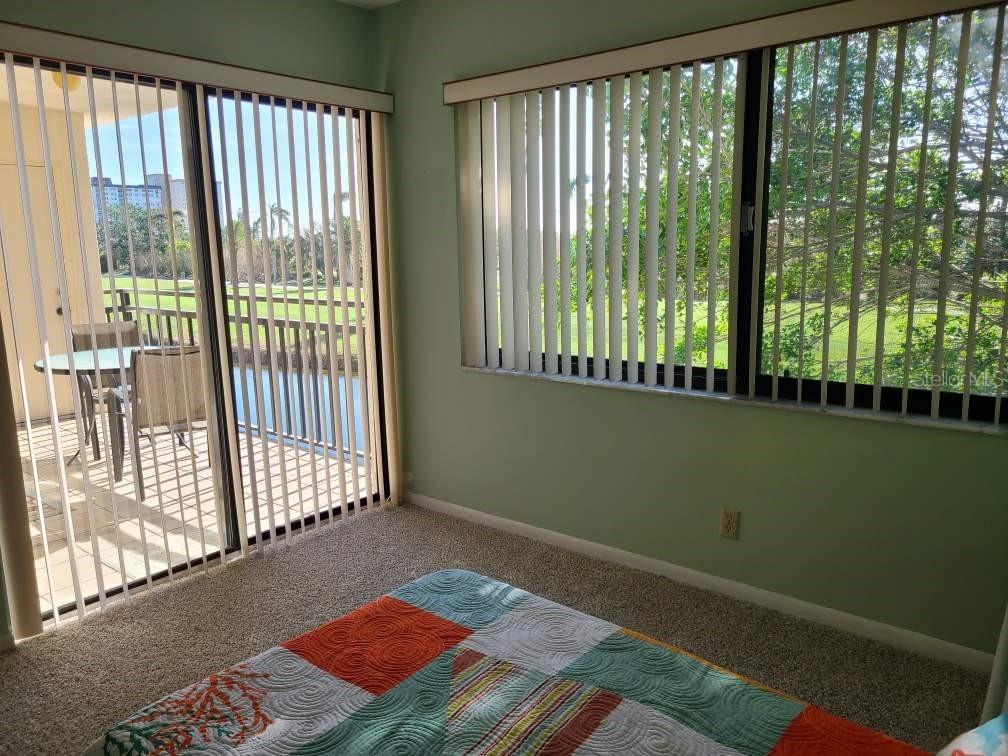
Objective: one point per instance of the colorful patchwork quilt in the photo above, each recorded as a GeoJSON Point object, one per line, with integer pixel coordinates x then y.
{"type": "Point", "coordinates": [456, 662]}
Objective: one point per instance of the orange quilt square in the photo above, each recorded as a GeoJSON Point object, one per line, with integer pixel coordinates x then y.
{"type": "Point", "coordinates": [814, 732]}
{"type": "Point", "coordinates": [379, 645]}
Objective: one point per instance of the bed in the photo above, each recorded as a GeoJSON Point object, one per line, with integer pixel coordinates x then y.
{"type": "Point", "coordinates": [456, 662]}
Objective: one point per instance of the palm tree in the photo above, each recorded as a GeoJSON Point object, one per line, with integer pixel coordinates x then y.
{"type": "Point", "coordinates": [278, 215]}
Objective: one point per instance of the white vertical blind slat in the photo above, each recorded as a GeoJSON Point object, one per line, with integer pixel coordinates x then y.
{"type": "Point", "coordinates": [519, 231]}
{"type": "Point", "coordinates": [489, 187]}
{"type": "Point", "coordinates": [346, 276]}
{"type": "Point", "coordinates": [549, 213]}
{"type": "Point", "coordinates": [533, 188]}
{"type": "Point", "coordinates": [887, 218]}
{"type": "Point", "coordinates": [782, 204]}
{"type": "Point", "coordinates": [672, 221]}
{"type": "Point", "coordinates": [581, 251]}
{"type": "Point", "coordinates": [948, 220]}
{"type": "Point", "coordinates": [807, 219]}
{"type": "Point", "coordinates": [137, 462]}
{"type": "Point", "coordinates": [983, 200]}
{"type": "Point", "coordinates": [918, 230]}
{"type": "Point", "coordinates": [860, 215]}
{"type": "Point", "coordinates": [359, 236]}
{"type": "Point", "coordinates": [654, 105]}
{"type": "Point", "coordinates": [838, 105]}
{"type": "Point", "coordinates": [253, 310]}
{"type": "Point", "coordinates": [312, 412]}
{"type": "Point", "coordinates": [332, 270]}
{"type": "Point", "coordinates": [736, 225]}
{"type": "Point", "coordinates": [563, 187]}
{"type": "Point", "coordinates": [598, 228]}
{"type": "Point", "coordinates": [633, 227]}
{"type": "Point", "coordinates": [299, 273]}
{"type": "Point", "coordinates": [472, 229]}
{"type": "Point", "coordinates": [715, 211]}
{"type": "Point", "coordinates": [357, 256]}
{"type": "Point", "coordinates": [504, 225]}
{"type": "Point", "coordinates": [332, 372]}
{"type": "Point", "coordinates": [369, 247]}
{"type": "Point", "coordinates": [266, 260]}
{"type": "Point", "coordinates": [691, 221]}
{"type": "Point", "coordinates": [275, 149]}
{"type": "Point", "coordinates": [617, 88]}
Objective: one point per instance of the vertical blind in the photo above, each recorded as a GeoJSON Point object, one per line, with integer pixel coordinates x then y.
{"type": "Point", "coordinates": [573, 196]}
{"type": "Point", "coordinates": [300, 283]}
{"type": "Point", "coordinates": [834, 237]}
{"type": "Point", "coordinates": [234, 244]}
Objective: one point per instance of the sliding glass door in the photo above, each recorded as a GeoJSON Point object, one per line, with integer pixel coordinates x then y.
{"type": "Point", "coordinates": [291, 222]}
{"type": "Point", "coordinates": [102, 328]}
{"type": "Point", "coordinates": [190, 321]}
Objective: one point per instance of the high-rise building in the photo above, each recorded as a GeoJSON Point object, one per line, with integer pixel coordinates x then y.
{"type": "Point", "coordinates": [138, 195]}
{"type": "Point", "coordinates": [176, 191]}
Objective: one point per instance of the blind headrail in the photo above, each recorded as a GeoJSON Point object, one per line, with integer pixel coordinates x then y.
{"type": "Point", "coordinates": [833, 18]}
{"type": "Point", "coordinates": [43, 43]}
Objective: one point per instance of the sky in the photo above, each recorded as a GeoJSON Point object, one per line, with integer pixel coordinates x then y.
{"type": "Point", "coordinates": [133, 131]}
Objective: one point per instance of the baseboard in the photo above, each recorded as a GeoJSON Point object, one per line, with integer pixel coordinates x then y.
{"type": "Point", "coordinates": [925, 645]}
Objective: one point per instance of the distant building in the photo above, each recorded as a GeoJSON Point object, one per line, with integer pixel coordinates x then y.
{"type": "Point", "coordinates": [134, 194]}
{"type": "Point", "coordinates": [176, 191]}
{"type": "Point", "coordinates": [160, 190]}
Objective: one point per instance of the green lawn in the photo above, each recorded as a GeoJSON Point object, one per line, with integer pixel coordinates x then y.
{"type": "Point", "coordinates": [895, 331]}
{"type": "Point", "coordinates": [160, 294]}
{"type": "Point", "coordinates": [895, 328]}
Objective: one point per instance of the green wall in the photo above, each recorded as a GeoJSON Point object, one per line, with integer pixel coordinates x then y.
{"type": "Point", "coordinates": [905, 525]}
{"type": "Point", "coordinates": [316, 39]}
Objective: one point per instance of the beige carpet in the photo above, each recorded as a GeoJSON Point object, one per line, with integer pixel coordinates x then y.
{"type": "Point", "coordinates": [63, 689]}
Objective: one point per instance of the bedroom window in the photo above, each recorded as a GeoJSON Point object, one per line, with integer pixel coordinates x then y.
{"type": "Point", "coordinates": [818, 222]}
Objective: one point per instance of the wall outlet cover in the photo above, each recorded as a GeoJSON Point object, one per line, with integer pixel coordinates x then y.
{"type": "Point", "coordinates": [730, 523]}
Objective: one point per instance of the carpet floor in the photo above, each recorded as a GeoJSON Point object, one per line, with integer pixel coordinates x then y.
{"type": "Point", "coordinates": [63, 689]}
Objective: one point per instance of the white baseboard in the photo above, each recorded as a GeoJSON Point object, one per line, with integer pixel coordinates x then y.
{"type": "Point", "coordinates": [925, 645]}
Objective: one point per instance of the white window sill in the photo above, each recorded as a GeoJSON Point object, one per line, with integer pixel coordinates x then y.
{"type": "Point", "coordinates": [943, 423]}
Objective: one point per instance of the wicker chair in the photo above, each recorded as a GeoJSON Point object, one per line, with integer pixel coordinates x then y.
{"type": "Point", "coordinates": [166, 398]}
{"type": "Point", "coordinates": [104, 337]}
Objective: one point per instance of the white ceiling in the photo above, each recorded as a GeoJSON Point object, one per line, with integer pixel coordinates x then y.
{"type": "Point", "coordinates": [369, 3]}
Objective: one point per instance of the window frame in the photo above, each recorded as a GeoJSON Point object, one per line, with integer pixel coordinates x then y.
{"type": "Point", "coordinates": [739, 380]}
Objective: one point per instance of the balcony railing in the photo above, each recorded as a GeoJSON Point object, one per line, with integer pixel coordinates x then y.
{"type": "Point", "coordinates": [300, 344]}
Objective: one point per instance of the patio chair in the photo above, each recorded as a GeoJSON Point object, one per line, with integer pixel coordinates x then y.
{"type": "Point", "coordinates": [104, 338]}
{"type": "Point", "coordinates": [166, 398]}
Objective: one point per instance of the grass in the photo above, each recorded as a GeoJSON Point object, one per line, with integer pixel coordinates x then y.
{"type": "Point", "coordinates": [143, 291]}
{"type": "Point", "coordinates": [894, 334]}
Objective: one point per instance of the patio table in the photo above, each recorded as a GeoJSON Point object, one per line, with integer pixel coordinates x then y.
{"type": "Point", "coordinates": [84, 365]}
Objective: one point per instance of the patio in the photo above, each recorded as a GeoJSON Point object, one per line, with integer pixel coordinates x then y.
{"type": "Point", "coordinates": [179, 514]}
